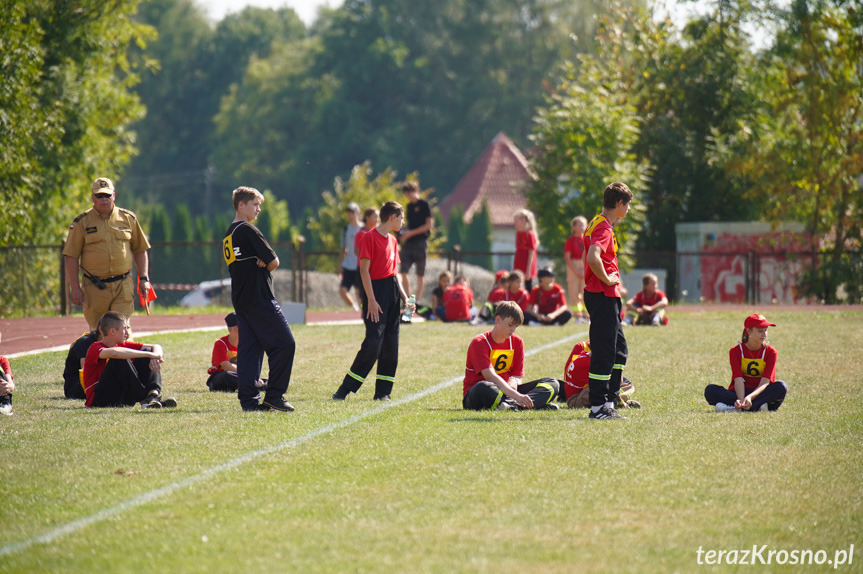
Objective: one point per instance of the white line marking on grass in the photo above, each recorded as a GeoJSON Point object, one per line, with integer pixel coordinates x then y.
{"type": "Point", "coordinates": [152, 495]}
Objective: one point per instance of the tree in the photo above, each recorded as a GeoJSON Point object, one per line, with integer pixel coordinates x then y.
{"type": "Point", "coordinates": [804, 150]}
{"type": "Point", "coordinates": [456, 229]}
{"type": "Point", "coordinates": [584, 138]}
{"type": "Point", "coordinates": [361, 188]}
{"type": "Point", "coordinates": [413, 85]}
{"type": "Point", "coordinates": [266, 118]}
{"type": "Point", "coordinates": [66, 108]}
{"type": "Point", "coordinates": [688, 92]}
{"type": "Point", "coordinates": [192, 67]}
{"type": "Point", "coordinates": [478, 238]}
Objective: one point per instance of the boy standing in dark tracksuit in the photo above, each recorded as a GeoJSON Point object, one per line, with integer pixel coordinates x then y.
{"type": "Point", "coordinates": [262, 326]}
{"type": "Point", "coordinates": [381, 298]}
{"type": "Point", "coordinates": [602, 299]}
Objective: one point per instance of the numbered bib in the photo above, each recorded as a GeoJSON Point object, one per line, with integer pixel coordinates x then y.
{"type": "Point", "coordinates": [752, 367]}
{"type": "Point", "coordinates": [501, 360]}
{"type": "Point", "coordinates": [228, 250]}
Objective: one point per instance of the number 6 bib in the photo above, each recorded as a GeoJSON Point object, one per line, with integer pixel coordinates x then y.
{"type": "Point", "coordinates": [501, 360]}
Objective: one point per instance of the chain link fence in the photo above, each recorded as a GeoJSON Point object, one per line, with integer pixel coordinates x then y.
{"type": "Point", "coordinates": [31, 280]}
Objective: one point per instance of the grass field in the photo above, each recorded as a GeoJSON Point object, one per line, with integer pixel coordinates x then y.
{"type": "Point", "coordinates": [419, 485]}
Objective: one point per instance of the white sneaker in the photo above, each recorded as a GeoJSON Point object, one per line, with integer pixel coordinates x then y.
{"type": "Point", "coordinates": [763, 407]}
{"type": "Point", "coordinates": [723, 408]}
{"type": "Point", "coordinates": [6, 408]}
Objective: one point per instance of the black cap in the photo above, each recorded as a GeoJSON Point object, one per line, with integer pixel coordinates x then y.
{"type": "Point", "coordinates": [231, 319]}
{"type": "Point", "coordinates": [545, 272]}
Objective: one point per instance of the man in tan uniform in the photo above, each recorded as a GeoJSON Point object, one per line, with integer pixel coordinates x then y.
{"type": "Point", "coordinates": [106, 239]}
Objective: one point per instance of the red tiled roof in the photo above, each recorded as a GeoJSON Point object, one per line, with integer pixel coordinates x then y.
{"type": "Point", "coordinates": [497, 177]}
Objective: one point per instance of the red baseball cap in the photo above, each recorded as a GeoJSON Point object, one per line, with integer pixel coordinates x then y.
{"type": "Point", "coordinates": [757, 320]}
{"type": "Point", "coordinates": [500, 274]}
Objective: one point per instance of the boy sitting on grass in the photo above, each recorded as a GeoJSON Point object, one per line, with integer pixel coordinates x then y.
{"type": "Point", "coordinates": [6, 386]}
{"type": "Point", "coordinates": [223, 367]}
{"type": "Point", "coordinates": [548, 301]}
{"type": "Point", "coordinates": [495, 368]}
{"type": "Point", "coordinates": [576, 387]}
{"type": "Point", "coordinates": [648, 305]}
{"type": "Point", "coordinates": [458, 300]}
{"type": "Point", "coordinates": [133, 376]}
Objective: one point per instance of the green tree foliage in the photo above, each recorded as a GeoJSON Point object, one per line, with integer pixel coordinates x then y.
{"type": "Point", "coordinates": [585, 138]}
{"type": "Point", "coordinates": [160, 224]}
{"type": "Point", "coordinates": [804, 150]}
{"type": "Point", "coordinates": [181, 226]}
{"type": "Point", "coordinates": [367, 191]}
{"type": "Point", "coordinates": [456, 233]}
{"type": "Point", "coordinates": [688, 93]}
{"type": "Point", "coordinates": [192, 67]}
{"type": "Point", "coordinates": [413, 85]}
{"type": "Point", "coordinates": [478, 238]}
{"type": "Point", "coordinates": [274, 220]}
{"type": "Point", "coordinates": [204, 229]}
{"type": "Point", "coordinates": [66, 108]}
{"type": "Point", "coordinates": [266, 118]}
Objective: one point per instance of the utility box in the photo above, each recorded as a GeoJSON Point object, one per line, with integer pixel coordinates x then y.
{"type": "Point", "coordinates": [295, 313]}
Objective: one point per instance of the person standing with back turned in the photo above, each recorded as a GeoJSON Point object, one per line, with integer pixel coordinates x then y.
{"type": "Point", "coordinates": [262, 326]}
{"type": "Point", "coordinates": [602, 299]}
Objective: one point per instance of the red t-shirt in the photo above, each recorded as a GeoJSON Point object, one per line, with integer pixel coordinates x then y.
{"type": "Point", "coordinates": [522, 297]}
{"type": "Point", "coordinates": [525, 241]}
{"type": "Point", "coordinates": [507, 359]}
{"type": "Point", "coordinates": [577, 370]}
{"type": "Point", "coordinates": [600, 233]}
{"type": "Point", "coordinates": [94, 366]}
{"type": "Point", "coordinates": [574, 246]}
{"type": "Point", "coordinates": [497, 295]}
{"type": "Point", "coordinates": [752, 365]}
{"type": "Point", "coordinates": [359, 236]}
{"type": "Point", "coordinates": [548, 301]}
{"type": "Point", "coordinates": [7, 368]}
{"type": "Point", "coordinates": [383, 253]}
{"type": "Point", "coordinates": [457, 300]}
{"type": "Point", "coordinates": [223, 350]}
{"type": "Point", "coordinates": [641, 299]}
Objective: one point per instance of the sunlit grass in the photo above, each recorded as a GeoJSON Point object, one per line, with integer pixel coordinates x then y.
{"type": "Point", "coordinates": [425, 486]}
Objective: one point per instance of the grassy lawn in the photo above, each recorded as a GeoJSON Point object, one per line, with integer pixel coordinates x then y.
{"type": "Point", "coordinates": [423, 486]}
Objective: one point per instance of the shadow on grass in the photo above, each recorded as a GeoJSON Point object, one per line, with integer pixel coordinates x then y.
{"type": "Point", "coordinates": [516, 417]}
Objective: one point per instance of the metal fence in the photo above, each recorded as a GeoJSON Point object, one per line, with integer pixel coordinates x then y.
{"type": "Point", "coordinates": [32, 279]}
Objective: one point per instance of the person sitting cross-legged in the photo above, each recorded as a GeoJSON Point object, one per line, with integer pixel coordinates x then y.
{"type": "Point", "coordinates": [133, 373]}
{"type": "Point", "coordinates": [495, 368]}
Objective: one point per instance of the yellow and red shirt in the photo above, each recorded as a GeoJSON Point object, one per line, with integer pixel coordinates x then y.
{"type": "Point", "coordinates": [600, 233]}
{"type": "Point", "coordinates": [507, 359]}
{"type": "Point", "coordinates": [752, 365]}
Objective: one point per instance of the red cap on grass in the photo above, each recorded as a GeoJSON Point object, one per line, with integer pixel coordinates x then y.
{"type": "Point", "coordinates": [757, 320]}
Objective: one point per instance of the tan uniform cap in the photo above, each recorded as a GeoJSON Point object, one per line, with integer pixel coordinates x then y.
{"type": "Point", "coordinates": [103, 184]}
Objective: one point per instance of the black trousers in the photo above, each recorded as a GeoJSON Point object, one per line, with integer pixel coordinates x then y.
{"type": "Point", "coordinates": [561, 319]}
{"type": "Point", "coordinates": [381, 343]}
{"type": "Point", "coordinates": [607, 345]}
{"type": "Point", "coordinates": [225, 381]}
{"type": "Point", "coordinates": [485, 395]}
{"type": "Point", "coordinates": [264, 329]}
{"type": "Point", "coordinates": [125, 382]}
{"type": "Point", "coordinates": [772, 395]}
